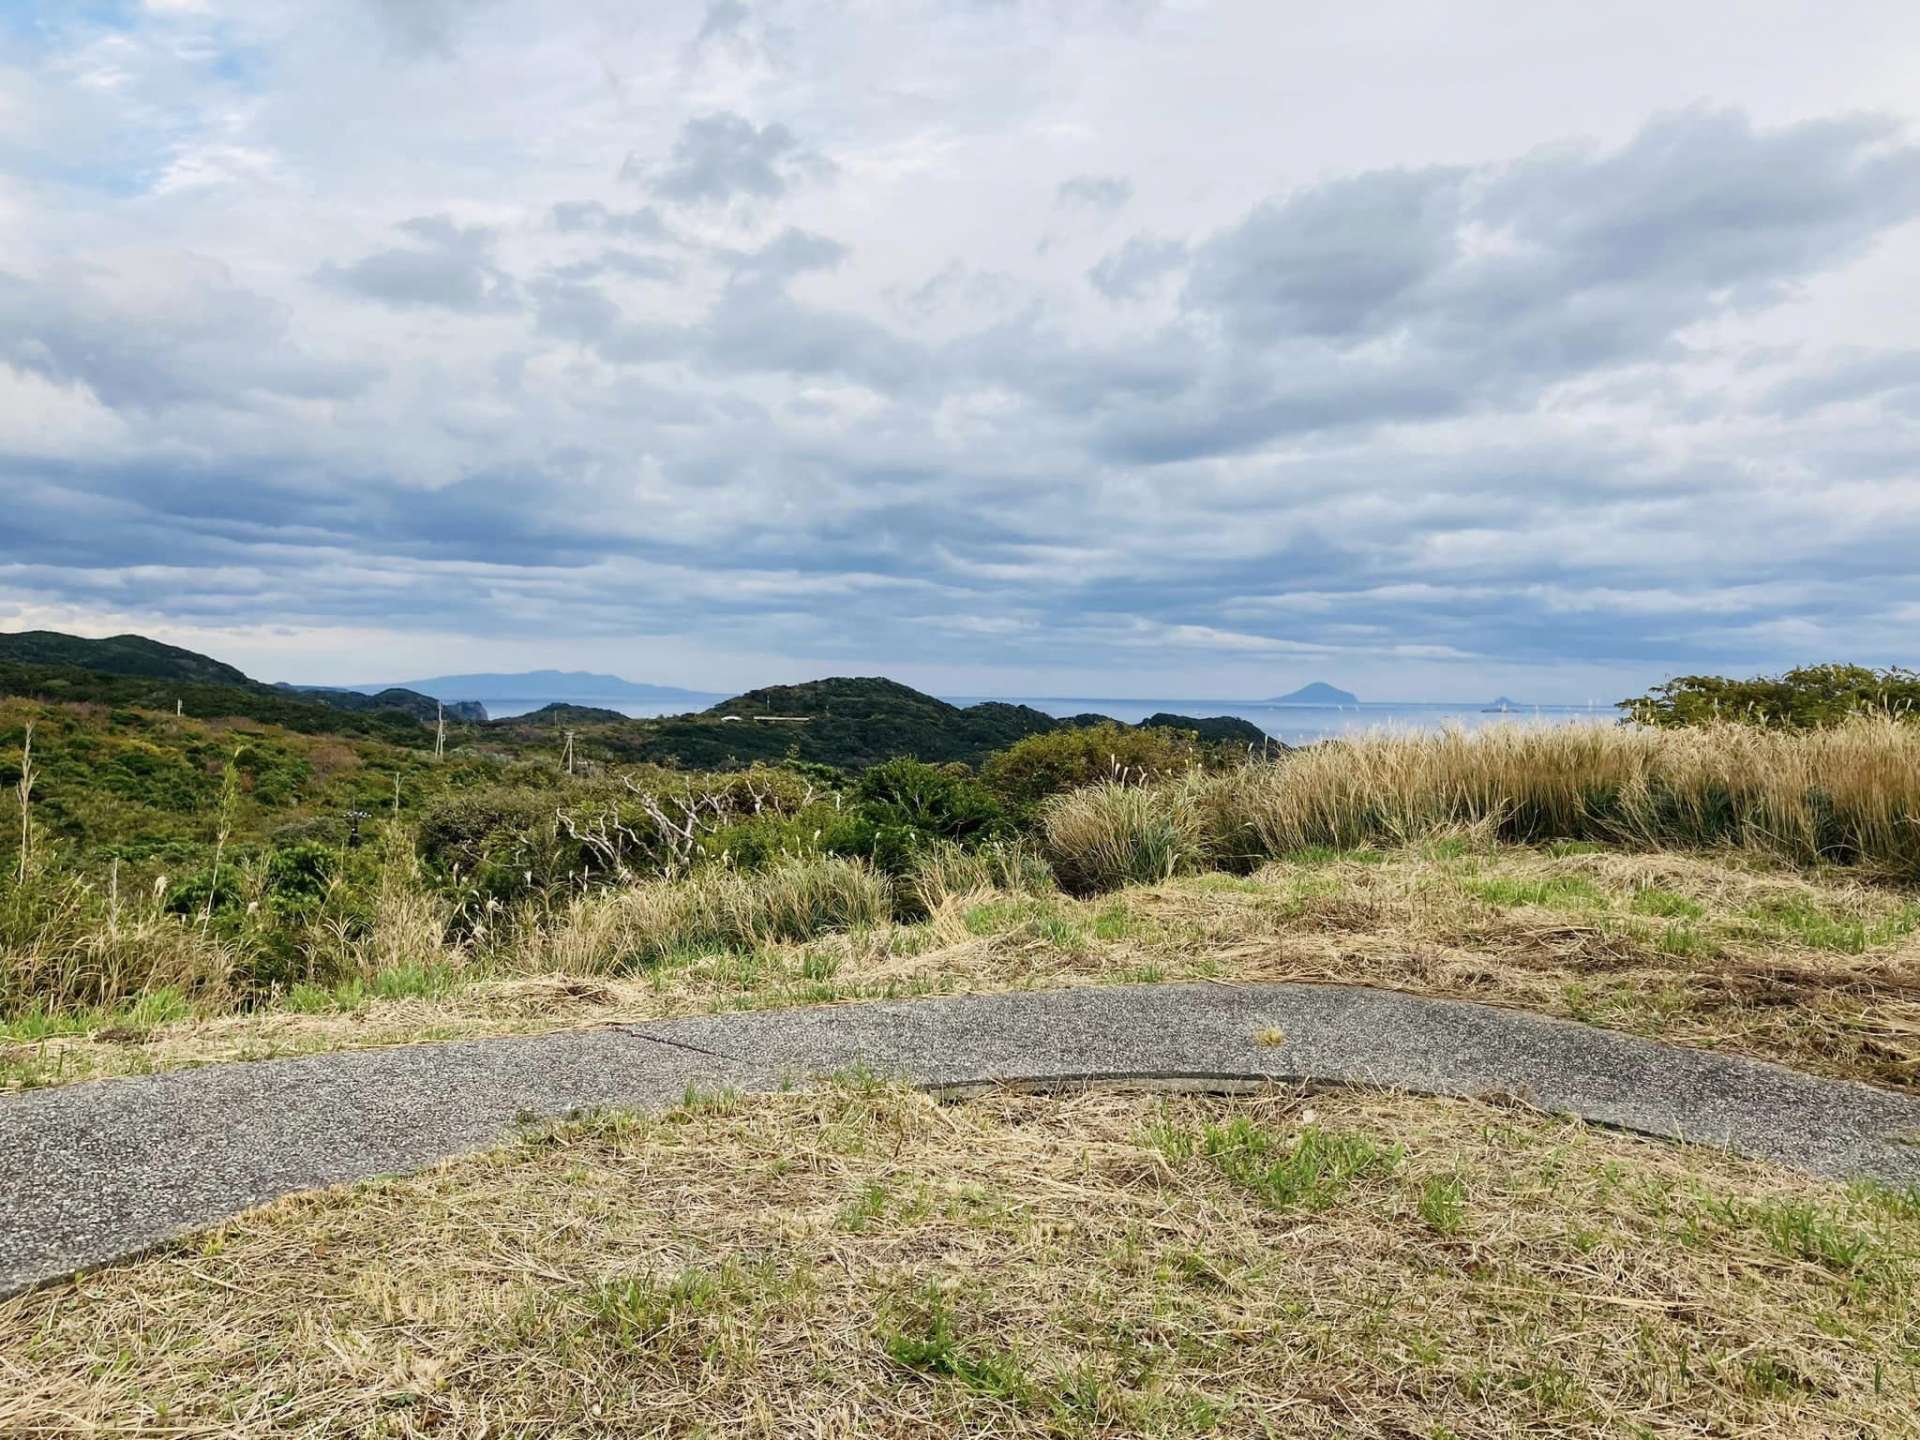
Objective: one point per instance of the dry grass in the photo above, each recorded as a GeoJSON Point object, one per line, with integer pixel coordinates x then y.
{"type": "Point", "coordinates": [649, 922]}
{"type": "Point", "coordinates": [1817, 969]}
{"type": "Point", "coordinates": [1849, 795]}
{"type": "Point", "coordinates": [64, 948]}
{"type": "Point", "coordinates": [1104, 836]}
{"type": "Point", "coordinates": [862, 1261]}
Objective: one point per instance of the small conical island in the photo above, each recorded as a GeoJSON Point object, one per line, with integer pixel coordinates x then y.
{"type": "Point", "coordinates": [1316, 693]}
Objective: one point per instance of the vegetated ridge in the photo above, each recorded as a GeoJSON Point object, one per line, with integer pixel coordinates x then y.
{"type": "Point", "coordinates": [844, 723]}
{"type": "Point", "coordinates": [849, 723]}
{"type": "Point", "coordinates": [564, 685]}
{"type": "Point", "coordinates": [137, 657]}
{"type": "Point", "coordinates": [411, 702]}
{"type": "Point", "coordinates": [118, 655]}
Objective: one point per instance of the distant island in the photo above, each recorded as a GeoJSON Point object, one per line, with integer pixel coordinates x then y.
{"type": "Point", "coordinates": [1317, 693]}
{"type": "Point", "coordinates": [562, 685]}
{"type": "Point", "coordinates": [1503, 703]}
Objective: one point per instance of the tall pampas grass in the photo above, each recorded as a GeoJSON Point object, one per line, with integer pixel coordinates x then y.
{"type": "Point", "coordinates": [1847, 795]}
{"type": "Point", "coordinates": [639, 925]}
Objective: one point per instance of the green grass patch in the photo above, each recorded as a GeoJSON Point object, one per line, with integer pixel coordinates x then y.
{"type": "Point", "coordinates": [143, 1012]}
{"type": "Point", "coordinates": [1307, 1170]}
{"type": "Point", "coordinates": [1443, 1204]}
{"type": "Point", "coordinates": [924, 1339]}
{"type": "Point", "coordinates": [1553, 892]}
{"type": "Point", "coordinates": [1316, 855]}
{"type": "Point", "coordinates": [1666, 904]}
{"type": "Point", "coordinates": [1805, 921]}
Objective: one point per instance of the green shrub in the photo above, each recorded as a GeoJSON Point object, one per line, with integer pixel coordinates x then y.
{"type": "Point", "coordinates": [1026, 774]}
{"type": "Point", "coordinates": [1810, 697]}
{"type": "Point", "coordinates": [508, 841]}
{"type": "Point", "coordinates": [901, 808]}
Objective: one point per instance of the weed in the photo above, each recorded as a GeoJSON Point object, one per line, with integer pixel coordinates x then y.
{"type": "Point", "coordinates": [1652, 900]}
{"type": "Point", "coordinates": [1443, 1204]}
{"type": "Point", "coordinates": [926, 1341]}
{"type": "Point", "coordinates": [1307, 1170]}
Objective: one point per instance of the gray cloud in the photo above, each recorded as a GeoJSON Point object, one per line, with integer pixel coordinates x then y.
{"type": "Point", "coordinates": [175, 329]}
{"type": "Point", "coordinates": [424, 27]}
{"type": "Point", "coordinates": [451, 268]}
{"type": "Point", "coordinates": [723, 21]}
{"type": "Point", "coordinates": [573, 216]}
{"type": "Point", "coordinates": [1129, 272]}
{"type": "Point", "coordinates": [1343, 259]}
{"type": "Point", "coordinates": [1849, 379]}
{"type": "Point", "coordinates": [1095, 192]}
{"type": "Point", "coordinates": [1400, 408]}
{"type": "Point", "coordinates": [718, 157]}
{"type": "Point", "coordinates": [631, 264]}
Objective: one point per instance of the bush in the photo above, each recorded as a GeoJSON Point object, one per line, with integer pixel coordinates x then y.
{"type": "Point", "coordinates": [901, 808]}
{"type": "Point", "coordinates": [1106, 836]}
{"type": "Point", "coordinates": [1810, 697]}
{"type": "Point", "coordinates": [472, 827]}
{"type": "Point", "coordinates": [1026, 774]}
{"type": "Point", "coordinates": [641, 925]}
{"type": "Point", "coordinates": [944, 871]}
{"type": "Point", "coordinates": [512, 840]}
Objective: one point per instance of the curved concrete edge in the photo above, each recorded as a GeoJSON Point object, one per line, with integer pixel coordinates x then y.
{"type": "Point", "coordinates": [97, 1173]}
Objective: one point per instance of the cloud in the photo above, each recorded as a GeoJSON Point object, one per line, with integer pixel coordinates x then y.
{"type": "Point", "coordinates": [628, 263]}
{"type": "Point", "coordinates": [450, 268]}
{"type": "Point", "coordinates": [1437, 398]}
{"type": "Point", "coordinates": [1129, 272]}
{"type": "Point", "coordinates": [1095, 192]}
{"type": "Point", "coordinates": [723, 21]}
{"type": "Point", "coordinates": [1850, 379]}
{"type": "Point", "coordinates": [792, 252]}
{"type": "Point", "coordinates": [424, 27]}
{"type": "Point", "coordinates": [723, 156]}
{"type": "Point", "coordinates": [571, 216]}
{"type": "Point", "coordinates": [1340, 260]}
{"type": "Point", "coordinates": [144, 331]}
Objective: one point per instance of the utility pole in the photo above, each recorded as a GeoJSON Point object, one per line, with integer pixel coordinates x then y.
{"type": "Point", "coordinates": [440, 730]}
{"type": "Point", "coordinates": [569, 752]}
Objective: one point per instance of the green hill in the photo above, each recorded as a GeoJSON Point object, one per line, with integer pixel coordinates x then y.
{"type": "Point", "coordinates": [74, 685]}
{"type": "Point", "coordinates": [119, 655]}
{"type": "Point", "coordinates": [849, 723]}
{"type": "Point", "coordinates": [50, 665]}
{"type": "Point", "coordinates": [1216, 728]}
{"type": "Point", "coordinates": [411, 702]}
{"type": "Point", "coordinates": [563, 713]}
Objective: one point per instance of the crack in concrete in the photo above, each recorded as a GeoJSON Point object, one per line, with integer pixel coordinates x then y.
{"type": "Point", "coordinates": [635, 1033]}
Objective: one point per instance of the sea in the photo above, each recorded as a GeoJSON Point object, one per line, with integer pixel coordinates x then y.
{"type": "Point", "coordinates": [1290, 724]}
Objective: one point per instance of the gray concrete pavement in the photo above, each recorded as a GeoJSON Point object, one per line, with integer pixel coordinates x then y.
{"type": "Point", "coordinates": [95, 1172]}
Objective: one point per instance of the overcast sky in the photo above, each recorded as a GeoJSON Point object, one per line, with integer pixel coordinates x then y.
{"type": "Point", "coordinates": [1097, 347]}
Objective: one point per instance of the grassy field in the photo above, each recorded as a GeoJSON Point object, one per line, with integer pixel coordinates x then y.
{"type": "Point", "coordinates": [1738, 887]}
{"type": "Point", "coordinates": [1818, 968]}
{"type": "Point", "coordinates": [861, 1260]}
